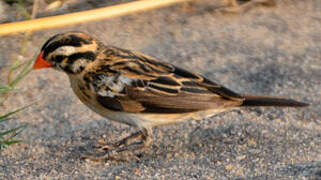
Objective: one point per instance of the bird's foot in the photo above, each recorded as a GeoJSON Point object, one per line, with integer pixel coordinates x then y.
{"type": "Point", "coordinates": [105, 146]}
{"type": "Point", "coordinates": [122, 150]}
{"type": "Point", "coordinates": [109, 155]}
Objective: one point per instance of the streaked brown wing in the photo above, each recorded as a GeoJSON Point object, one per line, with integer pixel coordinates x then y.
{"type": "Point", "coordinates": [182, 102]}
{"type": "Point", "coordinates": [152, 86]}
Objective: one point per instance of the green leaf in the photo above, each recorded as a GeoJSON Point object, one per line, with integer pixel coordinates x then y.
{"type": "Point", "coordinates": [12, 142]}
{"type": "Point", "coordinates": [17, 132]}
{"type": "Point", "coordinates": [5, 144]}
{"type": "Point", "coordinates": [4, 88]}
{"type": "Point", "coordinates": [4, 119]}
{"type": "Point", "coordinates": [14, 65]}
{"type": "Point", "coordinates": [14, 112]}
{"type": "Point", "coordinates": [11, 131]}
{"type": "Point", "coordinates": [26, 68]}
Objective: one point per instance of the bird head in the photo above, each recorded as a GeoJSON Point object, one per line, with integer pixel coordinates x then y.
{"type": "Point", "coordinates": [69, 52]}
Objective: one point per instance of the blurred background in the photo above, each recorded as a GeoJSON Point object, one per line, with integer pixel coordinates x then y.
{"type": "Point", "coordinates": [250, 46]}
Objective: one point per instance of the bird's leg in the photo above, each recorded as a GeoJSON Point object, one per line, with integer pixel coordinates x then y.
{"type": "Point", "coordinates": [234, 7]}
{"type": "Point", "coordinates": [103, 146]}
{"type": "Point", "coordinates": [146, 141]}
{"type": "Point", "coordinates": [123, 145]}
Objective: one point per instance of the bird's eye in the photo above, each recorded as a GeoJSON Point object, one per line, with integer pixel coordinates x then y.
{"type": "Point", "coordinates": [58, 58]}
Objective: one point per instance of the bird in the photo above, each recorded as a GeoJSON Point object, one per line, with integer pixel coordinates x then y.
{"type": "Point", "coordinates": [138, 90]}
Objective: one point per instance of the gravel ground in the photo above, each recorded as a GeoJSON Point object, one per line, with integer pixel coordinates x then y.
{"type": "Point", "coordinates": [272, 51]}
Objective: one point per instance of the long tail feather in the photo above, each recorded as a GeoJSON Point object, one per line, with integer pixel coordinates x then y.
{"type": "Point", "coordinates": [252, 100]}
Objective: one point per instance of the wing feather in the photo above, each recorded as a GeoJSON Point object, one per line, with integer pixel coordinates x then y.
{"type": "Point", "coordinates": [143, 84]}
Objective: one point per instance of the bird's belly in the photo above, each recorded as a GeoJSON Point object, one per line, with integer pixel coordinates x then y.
{"type": "Point", "coordinates": [121, 117]}
{"type": "Point", "coordinates": [150, 119]}
{"type": "Point", "coordinates": [166, 119]}
{"type": "Point", "coordinates": [90, 101]}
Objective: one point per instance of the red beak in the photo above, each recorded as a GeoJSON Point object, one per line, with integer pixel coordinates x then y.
{"type": "Point", "coordinates": [41, 63]}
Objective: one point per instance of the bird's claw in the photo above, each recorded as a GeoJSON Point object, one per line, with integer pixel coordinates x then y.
{"type": "Point", "coordinates": [110, 155]}
{"type": "Point", "coordinates": [103, 146]}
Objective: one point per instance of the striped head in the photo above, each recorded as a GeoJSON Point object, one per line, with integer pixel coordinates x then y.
{"type": "Point", "coordinates": [69, 52]}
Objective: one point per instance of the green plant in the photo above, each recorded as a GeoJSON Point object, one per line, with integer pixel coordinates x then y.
{"type": "Point", "coordinates": [8, 137]}
{"type": "Point", "coordinates": [17, 71]}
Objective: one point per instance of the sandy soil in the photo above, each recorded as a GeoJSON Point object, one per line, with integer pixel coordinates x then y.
{"type": "Point", "coordinates": [272, 51]}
